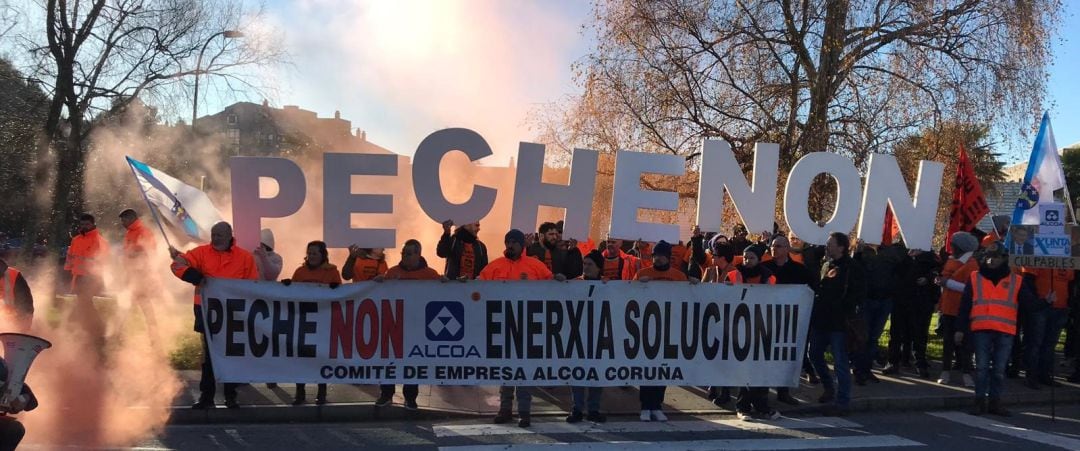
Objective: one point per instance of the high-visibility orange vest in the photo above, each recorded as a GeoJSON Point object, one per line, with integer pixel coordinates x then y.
{"type": "Point", "coordinates": [735, 277]}
{"type": "Point", "coordinates": [234, 263]}
{"type": "Point", "coordinates": [994, 306]}
{"type": "Point", "coordinates": [7, 293]}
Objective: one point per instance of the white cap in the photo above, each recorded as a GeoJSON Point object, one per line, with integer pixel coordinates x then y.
{"type": "Point", "coordinates": [267, 237]}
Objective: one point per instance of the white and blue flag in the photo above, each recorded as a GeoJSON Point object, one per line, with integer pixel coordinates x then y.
{"type": "Point", "coordinates": [1044, 176]}
{"type": "Point", "coordinates": [183, 205]}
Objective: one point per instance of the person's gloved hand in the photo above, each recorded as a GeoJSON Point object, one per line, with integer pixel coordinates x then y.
{"type": "Point", "coordinates": [334, 285]}
{"type": "Point", "coordinates": [286, 282]}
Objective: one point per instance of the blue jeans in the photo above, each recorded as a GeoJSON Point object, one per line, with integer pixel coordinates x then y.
{"type": "Point", "coordinates": [876, 312]}
{"type": "Point", "coordinates": [991, 355]}
{"type": "Point", "coordinates": [837, 341]}
{"type": "Point", "coordinates": [578, 394]}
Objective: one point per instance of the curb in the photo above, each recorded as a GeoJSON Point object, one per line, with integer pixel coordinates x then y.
{"type": "Point", "coordinates": [349, 412]}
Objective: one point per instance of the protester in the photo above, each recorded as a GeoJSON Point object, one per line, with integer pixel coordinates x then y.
{"type": "Point", "coordinates": [652, 397]}
{"type": "Point", "coordinates": [739, 238]}
{"type": "Point", "coordinates": [465, 254]}
{"type": "Point", "coordinates": [786, 271]}
{"type": "Point", "coordinates": [953, 278]}
{"type": "Point", "coordinates": [618, 265]}
{"type": "Point", "coordinates": [988, 312]}
{"type": "Point", "coordinates": [222, 258]}
{"type": "Point", "coordinates": [841, 291]}
{"type": "Point", "coordinates": [998, 232]}
{"type": "Point", "coordinates": [267, 261]}
{"type": "Point", "coordinates": [753, 401]}
{"type": "Point", "coordinates": [713, 268]}
{"type": "Point", "coordinates": [363, 264]}
{"type": "Point", "coordinates": [86, 259]}
{"type": "Point", "coordinates": [316, 269]}
{"type": "Point", "coordinates": [11, 431]}
{"type": "Point", "coordinates": [560, 260]}
{"type": "Point", "coordinates": [811, 256]}
{"type": "Point", "coordinates": [412, 267]}
{"type": "Point", "coordinates": [16, 299]}
{"type": "Point", "coordinates": [721, 260]}
{"type": "Point", "coordinates": [515, 265]}
{"type": "Point", "coordinates": [882, 266]}
{"type": "Point", "coordinates": [914, 306]}
{"type": "Point", "coordinates": [1043, 322]}
{"type": "Point", "coordinates": [138, 241]}
{"type": "Point", "coordinates": [591, 270]}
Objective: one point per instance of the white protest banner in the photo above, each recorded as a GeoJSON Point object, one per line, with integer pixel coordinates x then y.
{"type": "Point", "coordinates": [508, 333]}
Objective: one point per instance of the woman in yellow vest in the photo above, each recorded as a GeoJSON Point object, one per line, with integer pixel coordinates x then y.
{"type": "Point", "coordinates": [988, 311]}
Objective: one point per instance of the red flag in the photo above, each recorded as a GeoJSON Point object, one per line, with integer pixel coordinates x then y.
{"type": "Point", "coordinates": [968, 205]}
{"type": "Point", "coordinates": [891, 229]}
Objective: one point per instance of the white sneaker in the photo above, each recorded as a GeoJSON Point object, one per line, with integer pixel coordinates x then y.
{"type": "Point", "coordinates": [968, 382]}
{"type": "Point", "coordinates": [658, 415]}
{"type": "Point", "coordinates": [646, 415]}
{"type": "Point", "coordinates": [743, 416]}
{"type": "Point", "coordinates": [944, 379]}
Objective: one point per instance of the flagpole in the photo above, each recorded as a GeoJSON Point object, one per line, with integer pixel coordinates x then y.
{"type": "Point", "coordinates": [153, 210]}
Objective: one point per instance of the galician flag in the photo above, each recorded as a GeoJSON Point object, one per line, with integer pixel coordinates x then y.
{"type": "Point", "coordinates": [1044, 176]}
{"type": "Point", "coordinates": [182, 205]}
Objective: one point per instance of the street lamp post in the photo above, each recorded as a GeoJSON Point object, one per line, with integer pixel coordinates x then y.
{"type": "Point", "coordinates": [227, 34]}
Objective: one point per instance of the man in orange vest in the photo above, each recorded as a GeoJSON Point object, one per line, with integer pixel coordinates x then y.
{"type": "Point", "coordinates": [86, 260]}
{"type": "Point", "coordinates": [15, 298]}
{"type": "Point", "coordinates": [988, 310]}
{"type": "Point", "coordinates": [515, 265]}
{"type": "Point", "coordinates": [618, 265]}
{"type": "Point", "coordinates": [222, 258]}
{"type": "Point", "coordinates": [138, 241]}
{"type": "Point", "coordinates": [465, 254]}
{"type": "Point", "coordinates": [652, 397]}
{"type": "Point", "coordinates": [413, 266]}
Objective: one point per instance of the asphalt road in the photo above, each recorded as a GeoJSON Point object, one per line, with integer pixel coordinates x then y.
{"type": "Point", "coordinates": [1027, 429]}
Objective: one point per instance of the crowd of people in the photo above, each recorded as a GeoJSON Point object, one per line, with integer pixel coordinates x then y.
{"type": "Point", "coordinates": [996, 321]}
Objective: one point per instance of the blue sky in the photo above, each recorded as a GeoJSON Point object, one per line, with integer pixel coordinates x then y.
{"type": "Point", "coordinates": [1064, 87]}
{"type": "Point", "coordinates": [400, 70]}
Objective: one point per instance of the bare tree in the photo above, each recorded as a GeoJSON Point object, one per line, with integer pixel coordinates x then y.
{"type": "Point", "coordinates": [838, 75]}
{"type": "Point", "coordinates": [96, 55]}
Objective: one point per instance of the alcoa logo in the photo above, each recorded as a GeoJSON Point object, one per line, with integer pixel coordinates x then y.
{"type": "Point", "coordinates": [445, 321]}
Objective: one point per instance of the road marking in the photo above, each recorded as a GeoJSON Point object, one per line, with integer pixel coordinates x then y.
{"type": "Point", "coordinates": [233, 434]}
{"type": "Point", "coordinates": [860, 441]}
{"type": "Point", "coordinates": [987, 424]}
{"type": "Point", "coordinates": [702, 425]}
{"type": "Point", "coordinates": [1048, 417]}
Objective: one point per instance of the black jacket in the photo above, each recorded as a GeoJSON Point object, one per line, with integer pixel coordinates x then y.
{"type": "Point", "coordinates": [565, 262]}
{"type": "Point", "coordinates": [883, 269]}
{"type": "Point", "coordinates": [452, 246]}
{"type": "Point", "coordinates": [840, 292]}
{"type": "Point", "coordinates": [913, 294]}
{"type": "Point", "coordinates": [791, 273]}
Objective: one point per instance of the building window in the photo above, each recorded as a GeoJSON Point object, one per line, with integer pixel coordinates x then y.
{"type": "Point", "coordinates": [232, 119]}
